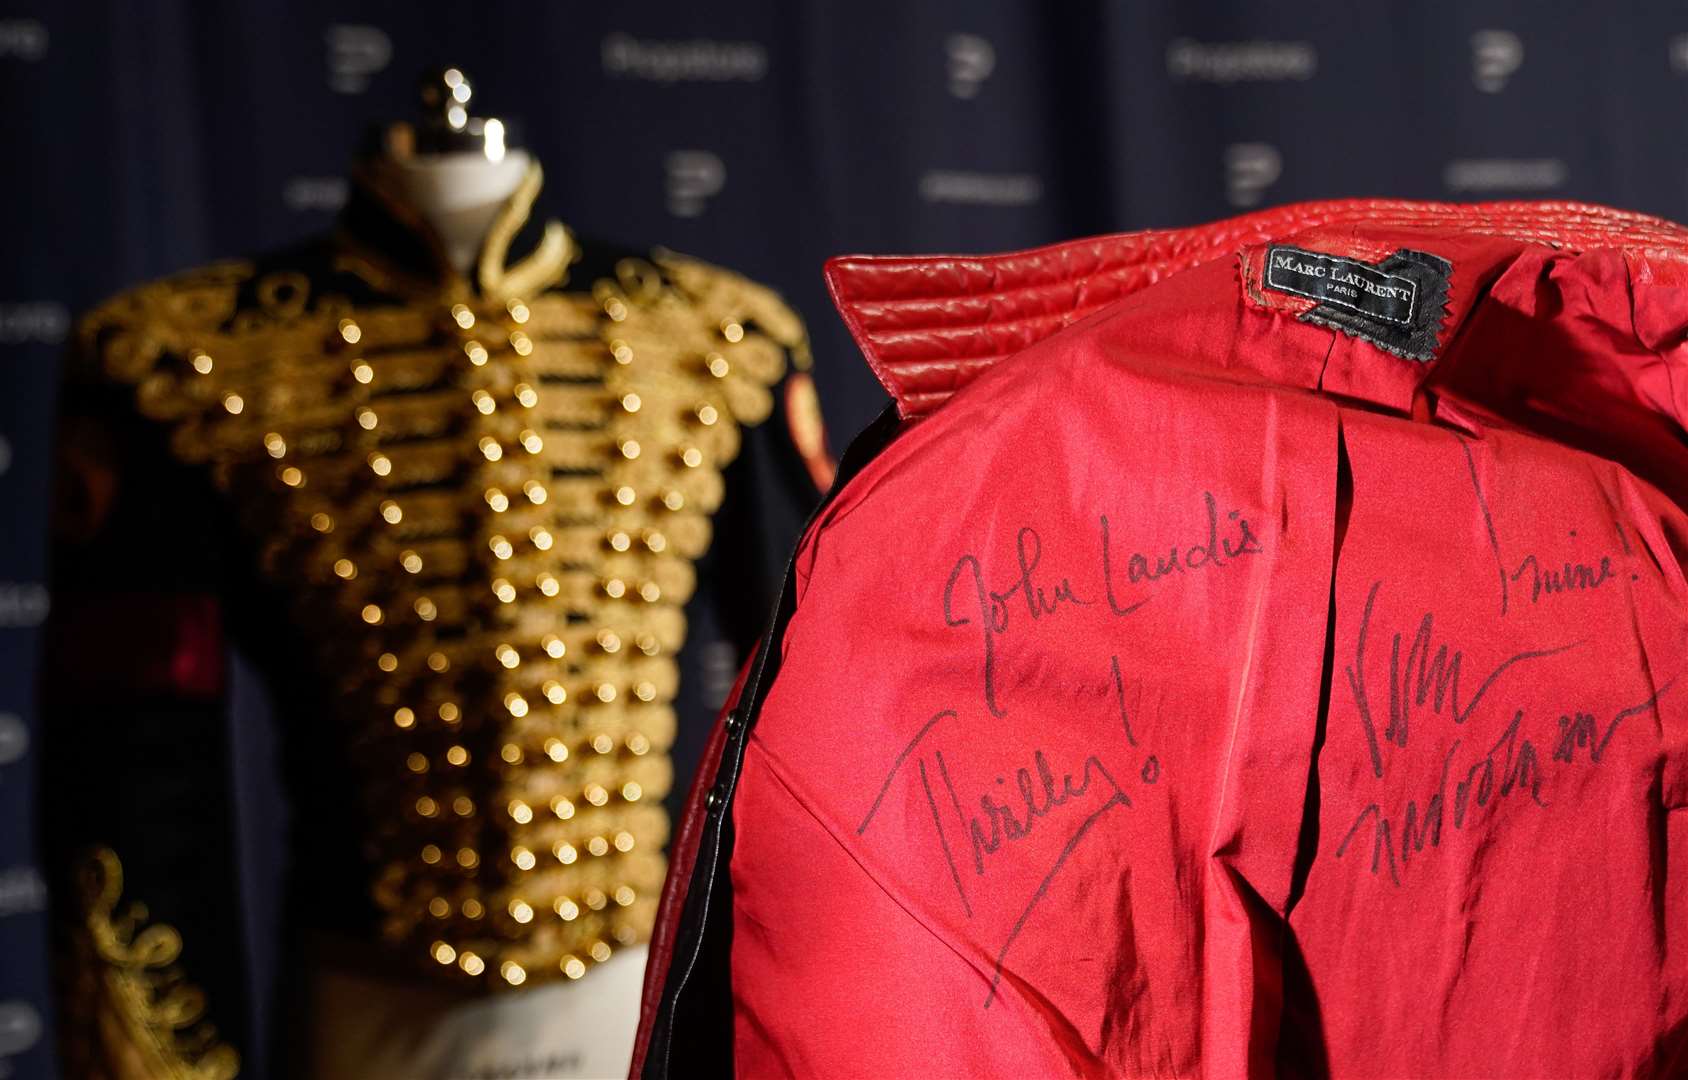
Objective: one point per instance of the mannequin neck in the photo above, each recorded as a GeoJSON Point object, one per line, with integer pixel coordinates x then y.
{"type": "Point", "coordinates": [459, 196]}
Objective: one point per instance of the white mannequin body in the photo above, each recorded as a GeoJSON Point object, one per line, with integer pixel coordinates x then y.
{"type": "Point", "coordinates": [459, 195]}
{"type": "Point", "coordinates": [382, 1029]}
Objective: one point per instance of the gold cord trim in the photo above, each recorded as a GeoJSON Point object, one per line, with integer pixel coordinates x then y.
{"type": "Point", "coordinates": [540, 270]}
{"type": "Point", "coordinates": [487, 510]}
{"type": "Point", "coordinates": [132, 1014]}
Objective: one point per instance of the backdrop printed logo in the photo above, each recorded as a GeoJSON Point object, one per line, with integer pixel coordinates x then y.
{"type": "Point", "coordinates": [20, 1027]}
{"type": "Point", "coordinates": [1679, 54]}
{"type": "Point", "coordinates": [694, 177]}
{"type": "Point", "coordinates": [980, 188]}
{"type": "Point", "coordinates": [22, 891]}
{"type": "Point", "coordinates": [22, 604]}
{"type": "Point", "coordinates": [315, 194]}
{"type": "Point", "coordinates": [1504, 174]}
{"type": "Point", "coordinates": [1251, 168]}
{"type": "Point", "coordinates": [1241, 61]}
{"type": "Point", "coordinates": [971, 61]}
{"type": "Point", "coordinates": [5, 455]}
{"type": "Point", "coordinates": [1495, 56]}
{"type": "Point", "coordinates": [701, 60]}
{"type": "Point", "coordinates": [14, 738]}
{"type": "Point", "coordinates": [34, 322]}
{"type": "Point", "coordinates": [356, 54]}
{"type": "Point", "coordinates": [23, 39]}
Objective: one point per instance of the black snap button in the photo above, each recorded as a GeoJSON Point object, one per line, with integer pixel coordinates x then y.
{"type": "Point", "coordinates": [712, 801]}
{"type": "Point", "coordinates": [735, 720]}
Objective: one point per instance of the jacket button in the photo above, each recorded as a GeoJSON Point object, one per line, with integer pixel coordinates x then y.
{"type": "Point", "coordinates": [712, 802]}
{"type": "Point", "coordinates": [735, 720]}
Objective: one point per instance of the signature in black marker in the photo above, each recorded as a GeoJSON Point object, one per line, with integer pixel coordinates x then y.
{"type": "Point", "coordinates": [969, 602]}
{"type": "Point", "coordinates": [1008, 814]}
{"type": "Point", "coordinates": [1424, 677]}
{"type": "Point", "coordinates": [993, 609]}
{"type": "Point", "coordinates": [1568, 577]}
{"type": "Point", "coordinates": [1512, 766]}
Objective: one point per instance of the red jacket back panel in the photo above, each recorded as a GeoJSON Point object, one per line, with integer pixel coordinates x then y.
{"type": "Point", "coordinates": [1216, 688]}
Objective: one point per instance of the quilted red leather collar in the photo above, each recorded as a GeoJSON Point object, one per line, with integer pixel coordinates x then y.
{"type": "Point", "coordinates": [928, 325]}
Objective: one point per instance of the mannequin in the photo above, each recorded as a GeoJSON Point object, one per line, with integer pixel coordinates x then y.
{"type": "Point", "coordinates": [459, 195]}
{"type": "Point", "coordinates": [456, 172]}
{"type": "Point", "coordinates": [457, 475]}
{"type": "Point", "coordinates": [460, 171]}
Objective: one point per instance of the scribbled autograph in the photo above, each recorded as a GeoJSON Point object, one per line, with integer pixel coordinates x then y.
{"type": "Point", "coordinates": [1423, 678]}
{"type": "Point", "coordinates": [1009, 814]}
{"type": "Point", "coordinates": [969, 602]}
{"type": "Point", "coordinates": [1512, 766]}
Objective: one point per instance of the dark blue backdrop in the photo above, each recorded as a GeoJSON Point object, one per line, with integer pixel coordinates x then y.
{"type": "Point", "coordinates": [139, 139]}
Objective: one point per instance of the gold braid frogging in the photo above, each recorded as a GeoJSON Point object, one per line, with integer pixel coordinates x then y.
{"type": "Point", "coordinates": [486, 508]}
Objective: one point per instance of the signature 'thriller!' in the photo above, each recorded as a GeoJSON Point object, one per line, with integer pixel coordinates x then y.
{"type": "Point", "coordinates": [1012, 813]}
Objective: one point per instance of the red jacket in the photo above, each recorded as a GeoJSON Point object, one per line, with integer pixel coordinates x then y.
{"type": "Point", "coordinates": [1248, 650]}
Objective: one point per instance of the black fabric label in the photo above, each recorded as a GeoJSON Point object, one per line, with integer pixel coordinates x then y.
{"type": "Point", "coordinates": [1396, 304]}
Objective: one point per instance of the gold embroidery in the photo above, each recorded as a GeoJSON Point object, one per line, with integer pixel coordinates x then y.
{"type": "Point", "coordinates": [486, 508]}
{"type": "Point", "coordinates": [538, 271]}
{"type": "Point", "coordinates": [130, 1014]}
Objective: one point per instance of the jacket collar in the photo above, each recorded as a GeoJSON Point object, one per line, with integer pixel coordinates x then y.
{"type": "Point", "coordinates": [380, 227]}
{"type": "Point", "coordinates": [929, 325]}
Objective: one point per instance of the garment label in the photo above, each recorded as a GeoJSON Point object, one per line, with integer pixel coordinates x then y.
{"type": "Point", "coordinates": [1397, 303]}
{"type": "Point", "coordinates": [1344, 283]}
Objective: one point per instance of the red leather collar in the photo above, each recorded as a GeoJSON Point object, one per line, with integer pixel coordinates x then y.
{"type": "Point", "coordinates": [930, 324]}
